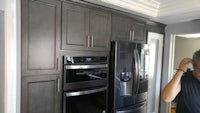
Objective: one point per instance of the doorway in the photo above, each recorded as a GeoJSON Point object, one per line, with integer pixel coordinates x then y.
{"type": "Point", "coordinates": [184, 45]}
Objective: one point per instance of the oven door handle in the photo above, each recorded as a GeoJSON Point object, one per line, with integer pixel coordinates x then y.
{"type": "Point", "coordinates": [78, 93]}
{"type": "Point", "coordinates": [86, 66]}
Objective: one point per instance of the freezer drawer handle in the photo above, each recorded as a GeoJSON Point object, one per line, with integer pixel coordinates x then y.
{"type": "Point", "coordinates": [142, 107]}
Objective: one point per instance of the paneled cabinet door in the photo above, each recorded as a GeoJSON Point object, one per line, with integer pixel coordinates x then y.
{"type": "Point", "coordinates": [125, 28]}
{"type": "Point", "coordinates": [121, 28]}
{"type": "Point", "coordinates": [40, 35]}
{"type": "Point", "coordinates": [75, 26]}
{"type": "Point", "coordinates": [41, 94]}
{"type": "Point", "coordinates": [139, 32]}
{"type": "Point", "coordinates": [85, 28]}
{"type": "Point", "coordinates": [100, 28]}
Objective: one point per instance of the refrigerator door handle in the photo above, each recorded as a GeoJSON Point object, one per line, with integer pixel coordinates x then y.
{"type": "Point", "coordinates": [139, 68]}
{"type": "Point", "coordinates": [136, 72]}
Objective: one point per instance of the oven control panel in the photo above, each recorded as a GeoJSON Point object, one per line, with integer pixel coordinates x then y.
{"type": "Point", "coordinates": [85, 60]}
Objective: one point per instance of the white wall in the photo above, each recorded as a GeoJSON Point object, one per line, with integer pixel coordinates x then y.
{"type": "Point", "coordinates": [2, 4]}
{"type": "Point", "coordinates": [2, 61]}
{"type": "Point", "coordinates": [185, 47]}
{"type": "Point", "coordinates": [170, 32]}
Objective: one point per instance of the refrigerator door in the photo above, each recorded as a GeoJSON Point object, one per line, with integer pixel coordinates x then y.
{"type": "Point", "coordinates": [125, 73]}
{"type": "Point", "coordinates": [138, 108]}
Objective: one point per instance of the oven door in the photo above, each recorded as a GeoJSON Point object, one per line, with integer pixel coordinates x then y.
{"type": "Point", "coordinates": [84, 76]}
{"type": "Point", "coordinates": [85, 101]}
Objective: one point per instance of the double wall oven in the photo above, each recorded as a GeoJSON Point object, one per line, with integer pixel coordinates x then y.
{"type": "Point", "coordinates": [85, 83]}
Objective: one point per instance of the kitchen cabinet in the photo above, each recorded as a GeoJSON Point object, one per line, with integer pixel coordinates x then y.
{"type": "Point", "coordinates": [41, 94]}
{"type": "Point", "coordinates": [85, 28]}
{"type": "Point", "coordinates": [40, 34]}
{"type": "Point", "coordinates": [155, 27]}
{"type": "Point", "coordinates": [40, 75]}
{"type": "Point", "coordinates": [125, 28]}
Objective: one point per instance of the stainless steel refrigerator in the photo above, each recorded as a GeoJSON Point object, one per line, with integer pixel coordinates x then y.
{"type": "Point", "coordinates": [128, 79]}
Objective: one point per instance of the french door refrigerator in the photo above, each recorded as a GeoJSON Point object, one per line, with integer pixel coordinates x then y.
{"type": "Point", "coordinates": [128, 79]}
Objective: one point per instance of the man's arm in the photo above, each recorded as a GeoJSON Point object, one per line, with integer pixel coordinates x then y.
{"type": "Point", "coordinates": [174, 86]}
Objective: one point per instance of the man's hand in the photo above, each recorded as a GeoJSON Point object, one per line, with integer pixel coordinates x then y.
{"type": "Point", "coordinates": [184, 64]}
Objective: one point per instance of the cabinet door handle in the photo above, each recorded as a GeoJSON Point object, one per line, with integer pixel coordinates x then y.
{"type": "Point", "coordinates": [133, 33]}
{"type": "Point", "coordinates": [88, 41]}
{"type": "Point", "coordinates": [92, 41]}
{"type": "Point", "coordinates": [58, 85]}
{"type": "Point", "coordinates": [130, 35]}
{"type": "Point", "coordinates": [58, 64]}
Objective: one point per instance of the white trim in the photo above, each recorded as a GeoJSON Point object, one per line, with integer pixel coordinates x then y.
{"type": "Point", "coordinates": [159, 38]}
{"type": "Point", "coordinates": [12, 56]}
{"type": "Point", "coordinates": [2, 63]}
{"type": "Point", "coordinates": [171, 57]}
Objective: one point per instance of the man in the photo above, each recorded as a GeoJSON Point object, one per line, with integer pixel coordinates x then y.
{"type": "Point", "coordinates": [184, 88]}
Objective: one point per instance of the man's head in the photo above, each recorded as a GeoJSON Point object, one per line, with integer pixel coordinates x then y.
{"type": "Point", "coordinates": [196, 64]}
{"type": "Point", "coordinates": [196, 58]}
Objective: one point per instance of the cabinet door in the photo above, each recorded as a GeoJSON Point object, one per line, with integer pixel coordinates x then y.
{"type": "Point", "coordinates": [139, 32]}
{"type": "Point", "coordinates": [121, 28]}
{"type": "Point", "coordinates": [75, 26]}
{"type": "Point", "coordinates": [40, 34]}
{"type": "Point", "coordinates": [100, 30]}
{"type": "Point", "coordinates": [40, 94]}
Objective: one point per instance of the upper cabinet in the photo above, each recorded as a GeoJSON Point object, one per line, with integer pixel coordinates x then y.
{"type": "Point", "coordinates": [127, 29]}
{"type": "Point", "coordinates": [85, 28]}
{"type": "Point", "coordinates": [40, 35]}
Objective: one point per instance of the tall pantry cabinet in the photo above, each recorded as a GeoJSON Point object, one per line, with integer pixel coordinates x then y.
{"type": "Point", "coordinates": [51, 28]}
{"type": "Point", "coordinates": [40, 79]}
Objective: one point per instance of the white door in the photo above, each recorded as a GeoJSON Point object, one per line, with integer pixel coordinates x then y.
{"type": "Point", "coordinates": [155, 42]}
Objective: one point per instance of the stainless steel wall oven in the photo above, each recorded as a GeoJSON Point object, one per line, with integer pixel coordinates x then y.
{"type": "Point", "coordinates": [85, 83]}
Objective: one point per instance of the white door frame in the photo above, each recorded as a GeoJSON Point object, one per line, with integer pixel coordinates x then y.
{"type": "Point", "coordinates": [158, 68]}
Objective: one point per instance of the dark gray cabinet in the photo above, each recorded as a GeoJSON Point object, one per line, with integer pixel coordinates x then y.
{"type": "Point", "coordinates": [127, 29]}
{"type": "Point", "coordinates": [100, 28]}
{"type": "Point", "coordinates": [85, 28]}
{"type": "Point", "coordinates": [40, 34]}
{"type": "Point", "coordinates": [41, 94]}
{"type": "Point", "coordinates": [40, 83]}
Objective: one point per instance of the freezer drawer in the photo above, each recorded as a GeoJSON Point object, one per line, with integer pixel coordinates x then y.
{"type": "Point", "coordinates": [138, 108]}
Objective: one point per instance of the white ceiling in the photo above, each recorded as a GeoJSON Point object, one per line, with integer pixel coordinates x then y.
{"type": "Point", "coordinates": [164, 11]}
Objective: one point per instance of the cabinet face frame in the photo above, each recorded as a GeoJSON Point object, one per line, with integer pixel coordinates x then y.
{"type": "Point", "coordinates": [40, 36]}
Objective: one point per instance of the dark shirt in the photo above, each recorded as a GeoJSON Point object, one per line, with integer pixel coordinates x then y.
{"type": "Point", "coordinates": [188, 100]}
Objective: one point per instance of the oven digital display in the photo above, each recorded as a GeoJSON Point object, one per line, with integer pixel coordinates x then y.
{"type": "Point", "coordinates": [88, 59]}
